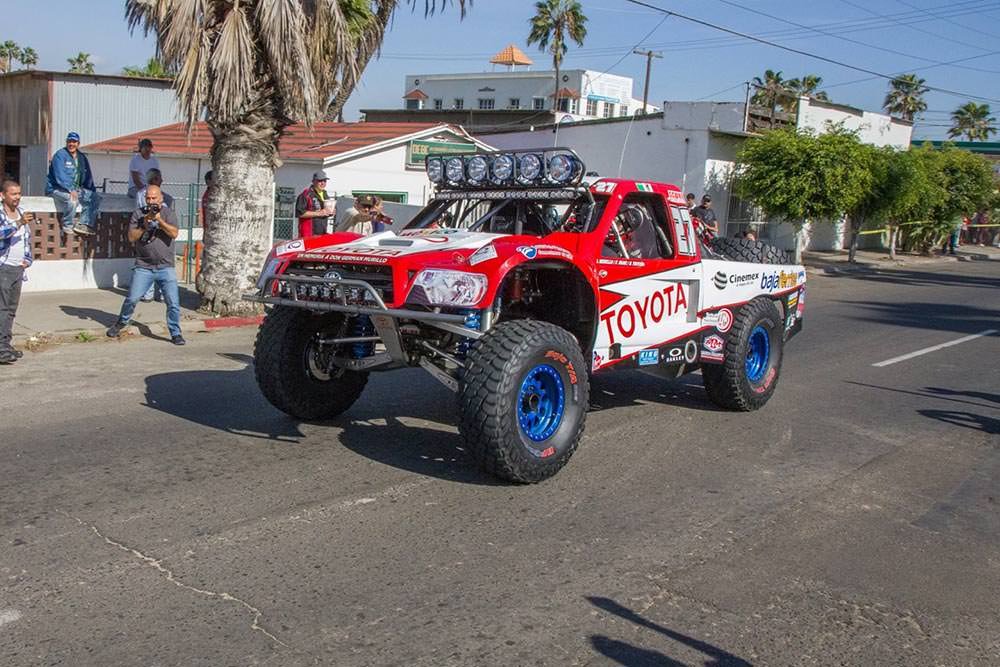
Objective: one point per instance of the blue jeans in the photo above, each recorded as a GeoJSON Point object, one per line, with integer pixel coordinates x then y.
{"type": "Point", "coordinates": [144, 279]}
{"type": "Point", "coordinates": [89, 202]}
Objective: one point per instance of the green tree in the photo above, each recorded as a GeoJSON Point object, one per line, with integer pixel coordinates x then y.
{"type": "Point", "coordinates": [772, 92]}
{"type": "Point", "coordinates": [80, 64]}
{"type": "Point", "coordinates": [973, 121]}
{"type": "Point", "coordinates": [9, 51]}
{"type": "Point", "coordinates": [801, 178]}
{"type": "Point", "coordinates": [906, 96]}
{"type": "Point", "coordinates": [28, 57]}
{"type": "Point", "coordinates": [553, 22]}
{"type": "Point", "coordinates": [153, 69]}
{"type": "Point", "coordinates": [908, 192]}
{"type": "Point", "coordinates": [251, 69]}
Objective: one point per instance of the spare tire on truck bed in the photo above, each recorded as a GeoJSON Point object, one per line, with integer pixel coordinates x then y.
{"type": "Point", "coordinates": [746, 250]}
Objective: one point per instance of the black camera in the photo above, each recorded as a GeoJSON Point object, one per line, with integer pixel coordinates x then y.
{"type": "Point", "coordinates": [150, 208]}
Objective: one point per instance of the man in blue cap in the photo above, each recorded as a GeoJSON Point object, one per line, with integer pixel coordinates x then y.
{"type": "Point", "coordinates": [71, 182]}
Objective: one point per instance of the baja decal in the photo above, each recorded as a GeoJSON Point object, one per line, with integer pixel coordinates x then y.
{"type": "Point", "coordinates": [713, 344]}
{"type": "Point", "coordinates": [291, 246]}
{"type": "Point", "coordinates": [649, 357]}
{"type": "Point", "coordinates": [528, 251]}
{"type": "Point", "coordinates": [768, 379]}
{"type": "Point", "coordinates": [782, 280]}
{"type": "Point", "coordinates": [605, 188]}
{"type": "Point", "coordinates": [484, 254]}
{"type": "Point", "coordinates": [628, 319]}
{"type": "Point", "coordinates": [643, 187]}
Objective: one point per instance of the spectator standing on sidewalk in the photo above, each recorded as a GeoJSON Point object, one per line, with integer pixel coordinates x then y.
{"type": "Point", "coordinates": [15, 258]}
{"type": "Point", "coordinates": [311, 207]}
{"type": "Point", "coordinates": [139, 166]}
{"type": "Point", "coordinates": [951, 242]}
{"type": "Point", "coordinates": [153, 177]}
{"type": "Point", "coordinates": [706, 216]}
{"type": "Point", "coordinates": [71, 182]}
{"type": "Point", "coordinates": [153, 229]}
{"type": "Point", "coordinates": [689, 198]}
{"type": "Point", "coordinates": [209, 187]}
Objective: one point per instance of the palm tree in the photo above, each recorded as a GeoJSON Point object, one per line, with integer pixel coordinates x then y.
{"type": "Point", "coordinates": [906, 96]}
{"type": "Point", "coordinates": [807, 86]}
{"type": "Point", "coordinates": [772, 92]}
{"type": "Point", "coordinates": [973, 121]}
{"type": "Point", "coordinates": [80, 64]}
{"type": "Point", "coordinates": [553, 22]}
{"type": "Point", "coordinates": [153, 69]}
{"type": "Point", "coordinates": [9, 51]}
{"type": "Point", "coordinates": [251, 68]}
{"type": "Point", "coordinates": [28, 57]}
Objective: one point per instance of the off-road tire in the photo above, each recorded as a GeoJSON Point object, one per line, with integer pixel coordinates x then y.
{"type": "Point", "coordinates": [281, 366]}
{"type": "Point", "coordinates": [728, 384]}
{"type": "Point", "coordinates": [746, 250]}
{"type": "Point", "coordinates": [497, 370]}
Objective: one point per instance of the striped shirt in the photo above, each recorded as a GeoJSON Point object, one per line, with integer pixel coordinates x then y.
{"type": "Point", "coordinates": [15, 242]}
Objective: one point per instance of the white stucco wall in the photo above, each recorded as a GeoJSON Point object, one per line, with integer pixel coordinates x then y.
{"type": "Point", "coordinates": [385, 171]}
{"type": "Point", "coordinates": [872, 128]}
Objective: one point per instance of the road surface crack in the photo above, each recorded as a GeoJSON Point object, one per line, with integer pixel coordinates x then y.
{"type": "Point", "coordinates": [157, 565]}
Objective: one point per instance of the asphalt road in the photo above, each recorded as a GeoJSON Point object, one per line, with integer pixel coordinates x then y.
{"type": "Point", "coordinates": [154, 510]}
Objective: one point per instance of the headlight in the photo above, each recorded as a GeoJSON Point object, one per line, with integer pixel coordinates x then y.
{"type": "Point", "coordinates": [476, 169]}
{"type": "Point", "coordinates": [454, 170]}
{"type": "Point", "coordinates": [440, 287]}
{"type": "Point", "coordinates": [563, 168]}
{"type": "Point", "coordinates": [529, 168]}
{"type": "Point", "coordinates": [435, 169]}
{"type": "Point", "coordinates": [502, 169]}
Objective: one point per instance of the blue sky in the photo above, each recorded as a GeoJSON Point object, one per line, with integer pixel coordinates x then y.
{"type": "Point", "coordinates": [698, 62]}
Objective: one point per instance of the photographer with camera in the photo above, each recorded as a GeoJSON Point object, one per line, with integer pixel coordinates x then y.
{"type": "Point", "coordinates": [152, 229]}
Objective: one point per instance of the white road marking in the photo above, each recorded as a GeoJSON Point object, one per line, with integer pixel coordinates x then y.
{"type": "Point", "coordinates": [934, 348]}
{"type": "Point", "coordinates": [9, 616]}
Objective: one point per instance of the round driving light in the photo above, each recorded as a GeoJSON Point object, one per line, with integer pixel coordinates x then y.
{"type": "Point", "coordinates": [435, 169]}
{"type": "Point", "coordinates": [502, 168]}
{"type": "Point", "coordinates": [562, 168]}
{"type": "Point", "coordinates": [476, 169]}
{"type": "Point", "coordinates": [454, 170]}
{"type": "Point", "coordinates": [529, 167]}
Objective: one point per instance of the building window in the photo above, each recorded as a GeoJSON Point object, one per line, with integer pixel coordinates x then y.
{"type": "Point", "coordinates": [439, 104]}
{"type": "Point", "coordinates": [487, 103]}
{"type": "Point", "coordinates": [412, 105]}
{"type": "Point", "coordinates": [609, 110]}
{"type": "Point", "coordinates": [537, 103]}
{"type": "Point", "coordinates": [624, 111]}
{"type": "Point", "coordinates": [564, 104]}
{"type": "Point", "coordinates": [459, 103]}
{"type": "Point", "coordinates": [591, 107]}
{"type": "Point", "coordinates": [515, 103]}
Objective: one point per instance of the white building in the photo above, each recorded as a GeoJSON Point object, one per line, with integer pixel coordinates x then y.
{"type": "Point", "coordinates": [583, 94]}
{"type": "Point", "coordinates": [694, 146]}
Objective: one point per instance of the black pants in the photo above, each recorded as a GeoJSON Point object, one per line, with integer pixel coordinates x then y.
{"type": "Point", "coordinates": [10, 296]}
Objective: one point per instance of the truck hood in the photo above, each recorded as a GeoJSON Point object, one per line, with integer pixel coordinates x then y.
{"type": "Point", "coordinates": [411, 242]}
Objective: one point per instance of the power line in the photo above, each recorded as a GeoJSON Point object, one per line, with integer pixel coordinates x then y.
{"type": "Point", "coordinates": [905, 25]}
{"type": "Point", "coordinates": [948, 20]}
{"type": "Point", "coordinates": [800, 52]}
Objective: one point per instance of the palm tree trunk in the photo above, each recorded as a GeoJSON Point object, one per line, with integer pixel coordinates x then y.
{"type": "Point", "coordinates": [555, 99]}
{"type": "Point", "coordinates": [239, 214]}
{"type": "Point", "coordinates": [893, 231]}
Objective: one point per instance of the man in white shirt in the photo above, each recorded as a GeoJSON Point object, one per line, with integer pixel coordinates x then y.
{"type": "Point", "coordinates": [139, 166]}
{"type": "Point", "coordinates": [15, 257]}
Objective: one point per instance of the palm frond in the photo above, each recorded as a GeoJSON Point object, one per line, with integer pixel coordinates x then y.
{"type": "Point", "coordinates": [287, 59]}
{"type": "Point", "coordinates": [232, 65]}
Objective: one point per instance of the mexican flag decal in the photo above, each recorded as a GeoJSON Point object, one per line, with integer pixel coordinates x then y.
{"type": "Point", "coordinates": [643, 187]}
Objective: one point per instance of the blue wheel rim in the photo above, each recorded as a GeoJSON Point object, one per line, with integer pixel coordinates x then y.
{"type": "Point", "coordinates": [758, 353]}
{"type": "Point", "coordinates": [541, 402]}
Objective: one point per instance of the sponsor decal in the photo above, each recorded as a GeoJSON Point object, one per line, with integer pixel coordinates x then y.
{"type": "Point", "coordinates": [768, 379]}
{"type": "Point", "coordinates": [606, 188]}
{"type": "Point", "coordinates": [712, 356]}
{"type": "Point", "coordinates": [621, 262]}
{"type": "Point", "coordinates": [793, 300]}
{"type": "Point", "coordinates": [802, 301]}
{"type": "Point", "coordinates": [643, 187]}
{"type": "Point", "coordinates": [598, 359]}
{"type": "Point", "coordinates": [782, 280]}
{"type": "Point", "coordinates": [562, 359]}
{"type": "Point", "coordinates": [333, 275]}
{"type": "Point", "coordinates": [649, 357]}
{"type": "Point", "coordinates": [629, 318]}
{"type": "Point", "coordinates": [687, 354]}
{"type": "Point", "coordinates": [336, 257]}
{"type": "Point", "coordinates": [484, 254]}
{"type": "Point", "coordinates": [724, 321]}
{"type": "Point", "coordinates": [291, 246]}
{"type": "Point", "coordinates": [721, 279]}
{"type": "Point", "coordinates": [690, 351]}
{"type": "Point", "coordinates": [544, 251]}
{"type": "Point", "coordinates": [362, 250]}
{"type": "Point", "coordinates": [602, 274]}
{"type": "Point", "coordinates": [676, 197]}
{"type": "Point", "coordinates": [528, 251]}
{"type": "Point", "coordinates": [440, 231]}
{"type": "Point", "coordinates": [713, 344]}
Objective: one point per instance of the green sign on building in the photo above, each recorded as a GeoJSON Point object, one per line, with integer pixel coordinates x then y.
{"type": "Point", "coordinates": [419, 149]}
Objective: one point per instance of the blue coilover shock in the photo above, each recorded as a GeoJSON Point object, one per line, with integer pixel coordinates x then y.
{"type": "Point", "coordinates": [362, 326]}
{"type": "Point", "coordinates": [474, 321]}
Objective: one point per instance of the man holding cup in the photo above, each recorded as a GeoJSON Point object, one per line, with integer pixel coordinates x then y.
{"type": "Point", "coordinates": [15, 258]}
{"type": "Point", "coordinates": [314, 207]}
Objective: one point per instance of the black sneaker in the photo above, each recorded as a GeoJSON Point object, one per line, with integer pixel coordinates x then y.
{"type": "Point", "coordinates": [7, 357]}
{"type": "Point", "coordinates": [115, 329]}
{"type": "Point", "coordinates": [17, 353]}
{"type": "Point", "coordinates": [178, 340]}
{"type": "Point", "coordinates": [81, 229]}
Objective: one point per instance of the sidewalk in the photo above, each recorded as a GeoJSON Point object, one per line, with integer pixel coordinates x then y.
{"type": "Point", "coordinates": [833, 263]}
{"type": "Point", "coordinates": [52, 317]}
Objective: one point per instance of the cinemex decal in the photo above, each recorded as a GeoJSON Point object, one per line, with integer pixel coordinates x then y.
{"type": "Point", "coordinates": [713, 344]}
{"type": "Point", "coordinates": [721, 279]}
{"type": "Point", "coordinates": [628, 318]}
{"type": "Point", "coordinates": [486, 253]}
{"type": "Point", "coordinates": [649, 357]}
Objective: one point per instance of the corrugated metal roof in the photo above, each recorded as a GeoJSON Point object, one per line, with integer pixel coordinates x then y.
{"type": "Point", "coordinates": [324, 140]}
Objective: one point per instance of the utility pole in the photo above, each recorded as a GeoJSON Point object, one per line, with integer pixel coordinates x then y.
{"type": "Point", "coordinates": [649, 65]}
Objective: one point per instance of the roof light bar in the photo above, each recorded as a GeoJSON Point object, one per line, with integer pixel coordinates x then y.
{"type": "Point", "coordinates": [538, 168]}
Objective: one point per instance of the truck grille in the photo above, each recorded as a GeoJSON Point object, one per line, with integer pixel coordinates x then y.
{"type": "Point", "coordinates": [379, 277]}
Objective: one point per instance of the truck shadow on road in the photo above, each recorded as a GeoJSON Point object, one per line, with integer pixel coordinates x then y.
{"type": "Point", "coordinates": [633, 656]}
{"type": "Point", "coordinates": [619, 389]}
{"type": "Point", "coordinates": [921, 278]}
{"type": "Point", "coordinates": [934, 316]}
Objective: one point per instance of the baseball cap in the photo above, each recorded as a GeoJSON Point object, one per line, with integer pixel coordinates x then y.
{"type": "Point", "coordinates": [366, 200]}
{"type": "Point", "coordinates": [72, 136]}
{"type": "Point", "coordinates": [320, 176]}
